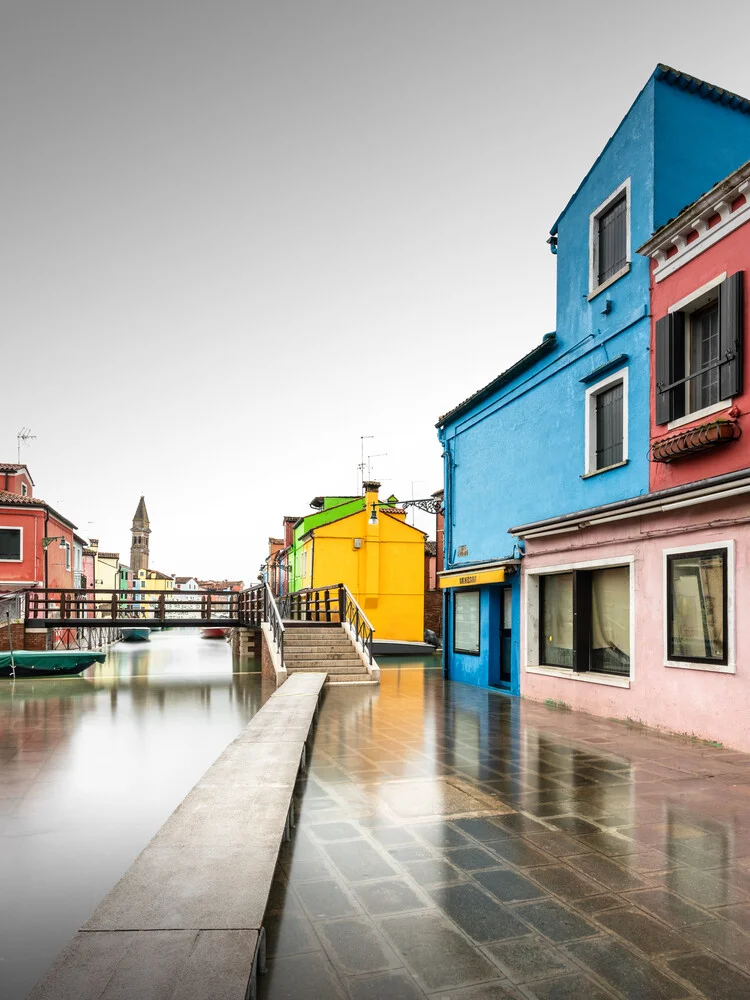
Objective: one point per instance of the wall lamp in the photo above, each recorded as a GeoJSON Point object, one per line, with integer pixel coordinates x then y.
{"type": "Point", "coordinates": [46, 542]}
{"type": "Point", "coordinates": [373, 519]}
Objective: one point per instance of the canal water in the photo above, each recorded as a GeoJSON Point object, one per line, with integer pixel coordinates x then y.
{"type": "Point", "coordinates": [91, 767]}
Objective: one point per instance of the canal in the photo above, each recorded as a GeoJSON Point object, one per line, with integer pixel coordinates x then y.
{"type": "Point", "coordinates": [91, 767]}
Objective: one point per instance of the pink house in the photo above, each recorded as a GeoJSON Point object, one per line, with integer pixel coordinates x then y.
{"type": "Point", "coordinates": [633, 609]}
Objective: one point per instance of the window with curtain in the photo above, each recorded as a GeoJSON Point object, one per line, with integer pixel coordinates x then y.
{"type": "Point", "coordinates": [556, 595]}
{"type": "Point", "coordinates": [697, 606]}
{"type": "Point", "coordinates": [584, 619]}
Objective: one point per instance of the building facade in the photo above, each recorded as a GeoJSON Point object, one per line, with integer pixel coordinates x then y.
{"type": "Point", "coordinates": [36, 542]}
{"type": "Point", "coordinates": [378, 556]}
{"type": "Point", "coordinates": [567, 428]}
{"type": "Point", "coordinates": [670, 571]}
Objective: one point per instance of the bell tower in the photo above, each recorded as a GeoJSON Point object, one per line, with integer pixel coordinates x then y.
{"type": "Point", "coordinates": [139, 544]}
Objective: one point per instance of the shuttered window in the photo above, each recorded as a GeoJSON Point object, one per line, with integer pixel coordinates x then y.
{"type": "Point", "coordinates": [609, 442]}
{"type": "Point", "coordinates": [612, 240]}
{"type": "Point", "coordinates": [699, 354]}
{"type": "Point", "coordinates": [10, 544]}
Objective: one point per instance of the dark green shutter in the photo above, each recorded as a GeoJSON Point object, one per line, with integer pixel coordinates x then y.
{"type": "Point", "coordinates": [670, 366]}
{"type": "Point", "coordinates": [730, 336]}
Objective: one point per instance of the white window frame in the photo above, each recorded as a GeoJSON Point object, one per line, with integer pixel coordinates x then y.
{"type": "Point", "coordinates": [730, 667]}
{"type": "Point", "coordinates": [594, 287]}
{"type": "Point", "coordinates": [530, 651]}
{"type": "Point", "coordinates": [67, 555]}
{"type": "Point", "coordinates": [689, 304]}
{"type": "Point", "coordinates": [592, 393]}
{"type": "Point", "coordinates": [24, 490]}
{"type": "Point", "coordinates": [18, 528]}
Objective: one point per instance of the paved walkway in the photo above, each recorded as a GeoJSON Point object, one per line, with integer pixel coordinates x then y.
{"type": "Point", "coordinates": [460, 844]}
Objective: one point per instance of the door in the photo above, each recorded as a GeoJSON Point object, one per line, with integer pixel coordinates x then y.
{"type": "Point", "coordinates": [505, 635]}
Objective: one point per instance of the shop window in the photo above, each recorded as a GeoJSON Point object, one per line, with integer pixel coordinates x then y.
{"type": "Point", "coordinates": [466, 622]}
{"type": "Point", "coordinates": [584, 620]}
{"type": "Point", "coordinates": [697, 607]}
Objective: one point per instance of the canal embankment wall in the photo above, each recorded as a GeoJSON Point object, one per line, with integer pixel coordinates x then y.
{"type": "Point", "coordinates": [186, 920]}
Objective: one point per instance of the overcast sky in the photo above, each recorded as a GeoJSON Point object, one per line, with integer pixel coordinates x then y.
{"type": "Point", "coordinates": [236, 236]}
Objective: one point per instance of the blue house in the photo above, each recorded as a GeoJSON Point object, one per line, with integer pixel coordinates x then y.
{"type": "Point", "coordinates": [566, 428]}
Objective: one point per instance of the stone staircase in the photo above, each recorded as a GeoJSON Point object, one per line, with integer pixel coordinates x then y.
{"type": "Point", "coordinates": [312, 648]}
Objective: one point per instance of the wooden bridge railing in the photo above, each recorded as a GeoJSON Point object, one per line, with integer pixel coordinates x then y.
{"type": "Point", "coordinates": [123, 607]}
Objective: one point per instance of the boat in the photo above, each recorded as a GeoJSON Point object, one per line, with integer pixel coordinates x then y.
{"type": "Point", "coordinates": [48, 662]}
{"type": "Point", "coordinates": [214, 633]}
{"type": "Point", "coordinates": [139, 634]}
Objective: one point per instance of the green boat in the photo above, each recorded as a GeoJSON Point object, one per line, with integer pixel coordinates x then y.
{"type": "Point", "coordinates": [48, 663]}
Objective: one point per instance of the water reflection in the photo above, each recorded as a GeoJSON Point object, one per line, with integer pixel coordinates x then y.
{"type": "Point", "coordinates": [90, 768]}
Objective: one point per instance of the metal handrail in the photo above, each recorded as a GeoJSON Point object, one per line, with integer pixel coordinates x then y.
{"type": "Point", "coordinates": [358, 620]}
{"type": "Point", "coordinates": [273, 617]}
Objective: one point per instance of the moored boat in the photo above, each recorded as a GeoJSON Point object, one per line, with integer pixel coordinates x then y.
{"type": "Point", "coordinates": [214, 633]}
{"type": "Point", "coordinates": [48, 662]}
{"type": "Point", "coordinates": [140, 634]}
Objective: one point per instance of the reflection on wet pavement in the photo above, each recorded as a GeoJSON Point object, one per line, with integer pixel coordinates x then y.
{"type": "Point", "coordinates": [455, 843]}
{"type": "Point", "coordinates": [90, 768]}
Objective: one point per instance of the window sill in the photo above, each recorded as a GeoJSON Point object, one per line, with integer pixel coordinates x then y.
{"type": "Point", "coordinates": [607, 468]}
{"type": "Point", "coordinates": [587, 678]}
{"type": "Point", "coordinates": [606, 284]}
{"type": "Point", "coordinates": [707, 411]}
{"type": "Point", "coordinates": [712, 668]}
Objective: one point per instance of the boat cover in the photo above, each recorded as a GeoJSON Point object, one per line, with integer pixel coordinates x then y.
{"type": "Point", "coordinates": [51, 659]}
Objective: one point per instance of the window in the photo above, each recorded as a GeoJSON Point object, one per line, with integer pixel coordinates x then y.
{"type": "Point", "coordinates": [10, 544]}
{"type": "Point", "coordinates": [612, 240]}
{"type": "Point", "coordinates": [584, 620]}
{"type": "Point", "coordinates": [24, 490]}
{"type": "Point", "coordinates": [699, 351]}
{"type": "Point", "coordinates": [697, 606]}
{"type": "Point", "coordinates": [466, 622]}
{"type": "Point", "coordinates": [609, 228]}
{"type": "Point", "coordinates": [67, 556]}
{"type": "Point", "coordinates": [606, 423]}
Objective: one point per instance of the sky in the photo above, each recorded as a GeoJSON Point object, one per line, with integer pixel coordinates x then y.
{"type": "Point", "coordinates": [237, 237]}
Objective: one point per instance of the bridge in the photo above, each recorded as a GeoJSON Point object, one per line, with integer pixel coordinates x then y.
{"type": "Point", "coordinates": [77, 608]}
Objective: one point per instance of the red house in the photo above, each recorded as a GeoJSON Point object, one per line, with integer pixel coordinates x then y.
{"type": "Point", "coordinates": [700, 386]}
{"type": "Point", "coordinates": [36, 543]}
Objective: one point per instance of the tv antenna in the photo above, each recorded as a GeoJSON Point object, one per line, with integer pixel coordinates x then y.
{"type": "Point", "coordinates": [362, 465]}
{"type": "Point", "coordinates": [24, 435]}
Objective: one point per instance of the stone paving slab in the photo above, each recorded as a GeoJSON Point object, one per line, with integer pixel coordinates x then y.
{"type": "Point", "coordinates": [184, 922]}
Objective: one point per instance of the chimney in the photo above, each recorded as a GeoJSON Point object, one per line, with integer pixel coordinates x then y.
{"type": "Point", "coordinates": [94, 544]}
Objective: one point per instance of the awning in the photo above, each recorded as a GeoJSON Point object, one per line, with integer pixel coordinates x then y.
{"type": "Point", "coordinates": [473, 579]}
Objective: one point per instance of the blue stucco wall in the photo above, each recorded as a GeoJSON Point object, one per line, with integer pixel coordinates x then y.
{"type": "Point", "coordinates": [480, 670]}
{"type": "Point", "coordinates": [698, 142]}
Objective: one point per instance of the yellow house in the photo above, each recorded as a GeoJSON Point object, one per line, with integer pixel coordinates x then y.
{"type": "Point", "coordinates": [380, 558]}
{"type": "Point", "coordinates": [152, 579]}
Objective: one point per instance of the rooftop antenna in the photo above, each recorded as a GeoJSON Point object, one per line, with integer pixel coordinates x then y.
{"type": "Point", "coordinates": [361, 466]}
{"type": "Point", "coordinates": [24, 435]}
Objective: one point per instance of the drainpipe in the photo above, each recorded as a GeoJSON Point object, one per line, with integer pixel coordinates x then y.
{"type": "Point", "coordinates": [46, 556]}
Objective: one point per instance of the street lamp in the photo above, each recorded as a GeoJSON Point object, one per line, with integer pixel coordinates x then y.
{"type": "Point", "coordinates": [54, 538]}
{"type": "Point", "coordinates": [373, 519]}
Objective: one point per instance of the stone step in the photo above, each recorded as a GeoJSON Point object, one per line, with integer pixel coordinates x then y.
{"type": "Point", "coordinates": [349, 679]}
{"type": "Point", "coordinates": [318, 643]}
{"type": "Point", "coordinates": [318, 665]}
{"type": "Point", "coordinates": [319, 654]}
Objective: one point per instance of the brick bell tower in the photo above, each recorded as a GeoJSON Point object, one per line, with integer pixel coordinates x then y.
{"type": "Point", "coordinates": [139, 544]}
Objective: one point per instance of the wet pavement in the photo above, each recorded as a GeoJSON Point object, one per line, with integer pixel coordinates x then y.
{"type": "Point", "coordinates": [90, 768]}
{"type": "Point", "coordinates": [457, 843]}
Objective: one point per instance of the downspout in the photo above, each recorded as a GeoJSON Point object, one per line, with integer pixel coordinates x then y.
{"type": "Point", "coordinates": [45, 547]}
